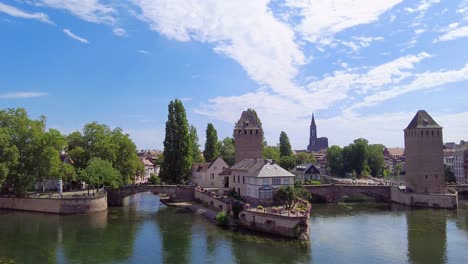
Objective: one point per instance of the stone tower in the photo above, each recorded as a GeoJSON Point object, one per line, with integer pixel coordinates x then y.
{"type": "Point", "coordinates": [248, 135]}
{"type": "Point", "coordinates": [424, 155]}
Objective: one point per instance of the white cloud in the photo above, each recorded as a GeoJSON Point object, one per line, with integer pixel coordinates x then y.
{"type": "Point", "coordinates": [360, 42]}
{"type": "Point", "coordinates": [456, 33]}
{"type": "Point", "coordinates": [245, 31]}
{"type": "Point", "coordinates": [89, 10]}
{"type": "Point", "coordinates": [119, 32]}
{"type": "Point", "coordinates": [322, 19]}
{"type": "Point", "coordinates": [15, 12]}
{"type": "Point", "coordinates": [21, 95]}
{"type": "Point", "coordinates": [144, 52]}
{"type": "Point", "coordinates": [423, 6]}
{"type": "Point", "coordinates": [72, 35]}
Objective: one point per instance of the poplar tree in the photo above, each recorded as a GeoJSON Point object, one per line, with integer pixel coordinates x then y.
{"type": "Point", "coordinates": [177, 147]}
{"type": "Point", "coordinates": [284, 145]}
{"type": "Point", "coordinates": [195, 147]}
{"type": "Point", "coordinates": [211, 145]}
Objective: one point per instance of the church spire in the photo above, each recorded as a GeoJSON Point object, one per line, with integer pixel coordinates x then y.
{"type": "Point", "coordinates": [313, 119]}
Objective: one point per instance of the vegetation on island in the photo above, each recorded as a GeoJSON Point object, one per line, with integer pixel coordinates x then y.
{"type": "Point", "coordinates": [30, 153]}
{"type": "Point", "coordinates": [222, 218]}
{"type": "Point", "coordinates": [358, 159]}
{"type": "Point", "coordinates": [288, 196]}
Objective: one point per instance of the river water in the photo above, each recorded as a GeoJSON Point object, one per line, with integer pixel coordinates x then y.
{"type": "Point", "coordinates": [144, 231]}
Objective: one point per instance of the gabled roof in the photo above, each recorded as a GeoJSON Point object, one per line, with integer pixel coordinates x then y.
{"type": "Point", "coordinates": [307, 168]}
{"type": "Point", "coordinates": [396, 151]}
{"type": "Point", "coordinates": [260, 168]}
{"type": "Point", "coordinates": [204, 166]}
{"type": "Point", "coordinates": [422, 120]}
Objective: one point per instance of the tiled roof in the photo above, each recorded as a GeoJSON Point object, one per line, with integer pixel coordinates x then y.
{"type": "Point", "coordinates": [261, 168]}
{"type": "Point", "coordinates": [307, 168]}
{"type": "Point", "coordinates": [396, 151]}
{"type": "Point", "coordinates": [249, 120]}
{"type": "Point", "coordinates": [422, 120]}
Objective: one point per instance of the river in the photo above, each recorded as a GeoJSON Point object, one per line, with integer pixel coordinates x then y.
{"type": "Point", "coordinates": [144, 231]}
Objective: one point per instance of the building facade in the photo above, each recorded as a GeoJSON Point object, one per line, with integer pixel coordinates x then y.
{"type": "Point", "coordinates": [315, 143]}
{"type": "Point", "coordinates": [306, 172]}
{"type": "Point", "coordinates": [248, 135]}
{"type": "Point", "coordinates": [206, 175]}
{"type": "Point", "coordinates": [460, 158]}
{"type": "Point", "coordinates": [424, 155]}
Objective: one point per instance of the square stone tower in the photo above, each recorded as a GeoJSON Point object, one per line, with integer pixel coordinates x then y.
{"type": "Point", "coordinates": [248, 135]}
{"type": "Point", "coordinates": [424, 155]}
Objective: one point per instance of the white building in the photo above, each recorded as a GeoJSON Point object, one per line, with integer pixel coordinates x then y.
{"type": "Point", "coordinates": [149, 169]}
{"type": "Point", "coordinates": [256, 179]}
{"type": "Point", "coordinates": [461, 153]}
{"type": "Point", "coordinates": [206, 175]}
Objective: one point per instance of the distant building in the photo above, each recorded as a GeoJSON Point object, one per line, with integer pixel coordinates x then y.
{"type": "Point", "coordinates": [149, 168]}
{"type": "Point", "coordinates": [449, 158]}
{"type": "Point", "coordinates": [460, 158]}
{"type": "Point", "coordinates": [424, 156]}
{"type": "Point", "coordinates": [394, 152]}
{"type": "Point", "coordinates": [248, 135]}
{"type": "Point", "coordinates": [206, 175]}
{"type": "Point", "coordinates": [394, 157]}
{"type": "Point", "coordinates": [306, 172]}
{"type": "Point", "coordinates": [316, 144]}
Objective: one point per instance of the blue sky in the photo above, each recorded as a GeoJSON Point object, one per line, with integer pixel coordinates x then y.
{"type": "Point", "coordinates": [363, 67]}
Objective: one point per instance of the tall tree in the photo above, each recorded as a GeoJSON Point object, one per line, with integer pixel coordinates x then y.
{"type": "Point", "coordinates": [335, 160]}
{"type": "Point", "coordinates": [211, 145]}
{"type": "Point", "coordinates": [284, 145]}
{"type": "Point", "coordinates": [177, 152]}
{"type": "Point", "coordinates": [195, 147]}
{"type": "Point", "coordinates": [303, 157]}
{"type": "Point", "coordinates": [271, 152]}
{"type": "Point", "coordinates": [376, 159]}
{"type": "Point", "coordinates": [100, 172]}
{"type": "Point", "coordinates": [228, 150]}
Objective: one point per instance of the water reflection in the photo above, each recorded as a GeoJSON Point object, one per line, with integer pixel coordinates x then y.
{"type": "Point", "coordinates": [145, 231]}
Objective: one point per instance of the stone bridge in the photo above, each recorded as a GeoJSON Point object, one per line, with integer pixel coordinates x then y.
{"type": "Point", "coordinates": [332, 193]}
{"type": "Point", "coordinates": [175, 192]}
{"type": "Point", "coordinates": [460, 188]}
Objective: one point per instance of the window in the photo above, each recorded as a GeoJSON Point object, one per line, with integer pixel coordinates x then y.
{"type": "Point", "coordinates": [234, 178]}
{"type": "Point", "coordinates": [245, 132]}
{"type": "Point", "coordinates": [426, 177]}
{"type": "Point", "coordinates": [266, 181]}
{"type": "Point", "coordinates": [243, 179]}
{"type": "Point", "coordinates": [238, 178]}
{"type": "Point", "coordinates": [286, 181]}
{"type": "Point", "coordinates": [276, 181]}
{"type": "Point", "coordinates": [250, 132]}
{"type": "Point", "coordinates": [212, 175]}
{"type": "Point", "coordinates": [256, 131]}
{"type": "Point", "coordinates": [422, 133]}
{"type": "Point", "coordinates": [437, 132]}
{"type": "Point", "coordinates": [240, 131]}
{"type": "Point", "coordinates": [432, 131]}
{"type": "Point", "coordinates": [265, 194]}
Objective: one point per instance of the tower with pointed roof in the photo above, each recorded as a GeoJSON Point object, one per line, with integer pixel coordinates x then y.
{"type": "Point", "coordinates": [424, 155]}
{"type": "Point", "coordinates": [315, 143]}
{"type": "Point", "coordinates": [248, 136]}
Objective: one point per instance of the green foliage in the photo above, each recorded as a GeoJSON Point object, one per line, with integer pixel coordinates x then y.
{"type": "Point", "coordinates": [284, 145]}
{"type": "Point", "coordinates": [222, 218]}
{"type": "Point", "coordinates": [358, 158]}
{"type": "Point", "coordinates": [303, 157]}
{"type": "Point", "coordinates": [313, 182]}
{"type": "Point", "coordinates": [228, 150]}
{"type": "Point", "coordinates": [271, 152]}
{"type": "Point", "coordinates": [237, 207]}
{"type": "Point", "coordinates": [177, 147]}
{"type": "Point", "coordinates": [335, 160]}
{"type": "Point", "coordinates": [287, 162]}
{"type": "Point", "coordinates": [449, 176]}
{"type": "Point", "coordinates": [195, 147]}
{"type": "Point", "coordinates": [211, 145]}
{"type": "Point", "coordinates": [288, 196]}
{"type": "Point", "coordinates": [154, 179]}
{"type": "Point", "coordinates": [100, 172]}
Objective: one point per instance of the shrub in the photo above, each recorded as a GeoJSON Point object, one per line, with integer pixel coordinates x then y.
{"type": "Point", "coordinates": [237, 207]}
{"type": "Point", "coordinates": [154, 179]}
{"type": "Point", "coordinates": [259, 207]}
{"type": "Point", "coordinates": [222, 218]}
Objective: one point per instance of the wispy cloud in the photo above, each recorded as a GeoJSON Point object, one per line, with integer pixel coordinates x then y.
{"type": "Point", "coordinates": [119, 31]}
{"type": "Point", "coordinates": [144, 52]}
{"type": "Point", "coordinates": [456, 33]}
{"type": "Point", "coordinates": [15, 12]}
{"type": "Point", "coordinates": [21, 95]}
{"type": "Point", "coordinates": [72, 35]}
{"type": "Point", "coordinates": [89, 10]}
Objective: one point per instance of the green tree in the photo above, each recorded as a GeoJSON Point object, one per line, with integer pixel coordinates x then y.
{"type": "Point", "coordinates": [211, 145]}
{"type": "Point", "coordinates": [271, 152]}
{"type": "Point", "coordinates": [287, 162]}
{"type": "Point", "coordinates": [284, 145]}
{"type": "Point", "coordinates": [100, 172]}
{"type": "Point", "coordinates": [195, 147]}
{"type": "Point", "coordinates": [376, 159]}
{"type": "Point", "coordinates": [9, 155]}
{"type": "Point", "coordinates": [335, 160]}
{"type": "Point", "coordinates": [303, 157]}
{"type": "Point", "coordinates": [126, 161]}
{"type": "Point", "coordinates": [449, 176]}
{"type": "Point", "coordinates": [177, 152]}
{"type": "Point", "coordinates": [288, 196]}
{"type": "Point", "coordinates": [228, 150]}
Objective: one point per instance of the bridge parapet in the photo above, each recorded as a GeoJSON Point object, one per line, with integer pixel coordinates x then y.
{"type": "Point", "coordinates": [176, 192]}
{"type": "Point", "coordinates": [332, 192]}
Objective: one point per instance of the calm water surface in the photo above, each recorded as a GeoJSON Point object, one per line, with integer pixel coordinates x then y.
{"type": "Point", "coordinates": [143, 231]}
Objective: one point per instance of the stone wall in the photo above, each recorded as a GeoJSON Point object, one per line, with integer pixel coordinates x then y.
{"type": "Point", "coordinates": [448, 201]}
{"type": "Point", "coordinates": [212, 201]}
{"type": "Point", "coordinates": [176, 192]}
{"type": "Point", "coordinates": [286, 226]}
{"type": "Point", "coordinates": [55, 205]}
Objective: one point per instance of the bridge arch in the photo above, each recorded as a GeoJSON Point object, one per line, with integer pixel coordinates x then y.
{"type": "Point", "coordinates": [175, 192]}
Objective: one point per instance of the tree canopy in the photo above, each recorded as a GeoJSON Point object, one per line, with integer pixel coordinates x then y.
{"type": "Point", "coordinates": [227, 150]}
{"type": "Point", "coordinates": [211, 144]}
{"type": "Point", "coordinates": [284, 145]}
{"type": "Point", "coordinates": [177, 147]}
{"type": "Point", "coordinates": [194, 146]}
